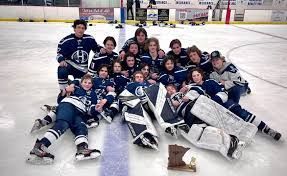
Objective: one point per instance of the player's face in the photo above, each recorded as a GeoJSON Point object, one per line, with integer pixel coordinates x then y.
{"type": "Point", "coordinates": [87, 84]}
{"type": "Point", "coordinates": [103, 73]}
{"type": "Point", "coordinates": [117, 68]}
{"type": "Point", "coordinates": [152, 47]}
{"type": "Point", "coordinates": [194, 57]}
{"type": "Point", "coordinates": [169, 65]}
{"type": "Point", "coordinates": [170, 90]}
{"type": "Point", "coordinates": [139, 78]}
{"type": "Point", "coordinates": [141, 38]}
{"type": "Point", "coordinates": [197, 77]}
{"type": "Point", "coordinates": [176, 48]}
{"type": "Point", "coordinates": [109, 46]}
{"type": "Point", "coordinates": [145, 71]}
{"type": "Point", "coordinates": [130, 61]}
{"type": "Point", "coordinates": [217, 63]}
{"type": "Point", "coordinates": [134, 49]}
{"type": "Point", "coordinates": [79, 30]}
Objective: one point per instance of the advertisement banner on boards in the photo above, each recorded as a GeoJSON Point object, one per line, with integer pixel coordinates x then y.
{"type": "Point", "coordinates": [163, 14]}
{"type": "Point", "coordinates": [152, 14]}
{"type": "Point", "coordinates": [97, 13]}
{"type": "Point", "coordinates": [141, 14]}
{"type": "Point", "coordinates": [279, 16]}
{"type": "Point", "coordinates": [191, 14]}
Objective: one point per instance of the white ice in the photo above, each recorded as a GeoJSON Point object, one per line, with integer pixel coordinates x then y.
{"type": "Point", "coordinates": [28, 80]}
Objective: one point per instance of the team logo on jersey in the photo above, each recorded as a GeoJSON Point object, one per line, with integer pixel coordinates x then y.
{"type": "Point", "coordinates": [80, 56]}
{"type": "Point", "coordinates": [85, 101]}
{"type": "Point", "coordinates": [170, 78]}
{"type": "Point", "coordinates": [139, 91]}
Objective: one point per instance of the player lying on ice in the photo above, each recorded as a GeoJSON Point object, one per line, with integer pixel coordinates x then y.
{"type": "Point", "coordinates": [70, 114]}
{"type": "Point", "coordinates": [215, 91]}
{"type": "Point", "coordinates": [154, 101]}
{"type": "Point", "coordinates": [206, 136]}
{"type": "Point", "coordinates": [104, 89]}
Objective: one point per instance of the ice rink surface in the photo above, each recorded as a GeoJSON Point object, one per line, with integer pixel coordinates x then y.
{"type": "Point", "coordinates": [28, 80]}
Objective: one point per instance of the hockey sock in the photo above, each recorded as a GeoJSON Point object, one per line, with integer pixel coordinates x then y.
{"type": "Point", "coordinates": [258, 123]}
{"type": "Point", "coordinates": [45, 142]}
{"type": "Point", "coordinates": [47, 120]}
{"type": "Point", "coordinates": [50, 117]}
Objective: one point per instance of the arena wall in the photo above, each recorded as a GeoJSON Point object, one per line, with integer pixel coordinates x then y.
{"type": "Point", "coordinates": [40, 13]}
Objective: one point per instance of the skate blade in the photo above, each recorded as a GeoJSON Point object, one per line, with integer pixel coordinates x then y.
{"type": "Point", "coordinates": [35, 128]}
{"type": "Point", "coordinates": [151, 146]}
{"type": "Point", "coordinates": [44, 108]}
{"type": "Point", "coordinates": [154, 146]}
{"type": "Point", "coordinates": [93, 155]}
{"type": "Point", "coordinates": [107, 118]}
{"type": "Point", "coordinates": [35, 160]}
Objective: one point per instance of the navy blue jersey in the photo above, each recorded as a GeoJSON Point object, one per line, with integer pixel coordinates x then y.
{"type": "Point", "coordinates": [212, 89]}
{"type": "Point", "coordinates": [131, 70]}
{"type": "Point", "coordinates": [100, 85]}
{"type": "Point", "coordinates": [127, 43]}
{"type": "Point", "coordinates": [204, 64]}
{"type": "Point", "coordinates": [155, 64]}
{"type": "Point", "coordinates": [181, 59]}
{"type": "Point", "coordinates": [100, 88]}
{"type": "Point", "coordinates": [84, 100]}
{"type": "Point", "coordinates": [76, 51]}
{"type": "Point", "coordinates": [134, 87]}
{"type": "Point", "coordinates": [120, 82]}
{"type": "Point", "coordinates": [176, 77]}
{"type": "Point", "coordinates": [100, 59]}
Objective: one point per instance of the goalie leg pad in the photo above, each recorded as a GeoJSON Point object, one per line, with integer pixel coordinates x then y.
{"type": "Point", "coordinates": [210, 138]}
{"type": "Point", "coordinates": [216, 115]}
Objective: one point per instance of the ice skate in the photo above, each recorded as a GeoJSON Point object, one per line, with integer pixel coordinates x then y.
{"type": "Point", "coordinates": [83, 153]}
{"type": "Point", "coordinates": [37, 125]}
{"type": "Point", "coordinates": [183, 128]}
{"type": "Point", "coordinates": [248, 91]}
{"type": "Point", "coordinates": [274, 134]}
{"type": "Point", "coordinates": [236, 147]}
{"type": "Point", "coordinates": [48, 108]}
{"type": "Point", "coordinates": [106, 115]}
{"type": "Point", "coordinates": [92, 123]}
{"type": "Point", "coordinates": [172, 131]}
{"type": "Point", "coordinates": [39, 155]}
{"type": "Point", "coordinates": [149, 142]}
{"type": "Point", "coordinates": [238, 151]}
{"type": "Point", "coordinates": [125, 108]}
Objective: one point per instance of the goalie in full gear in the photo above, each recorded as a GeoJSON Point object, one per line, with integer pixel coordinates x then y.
{"type": "Point", "coordinates": [199, 133]}
{"type": "Point", "coordinates": [70, 114]}
{"type": "Point", "coordinates": [216, 92]}
{"type": "Point", "coordinates": [145, 102]}
{"type": "Point", "coordinates": [135, 115]}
